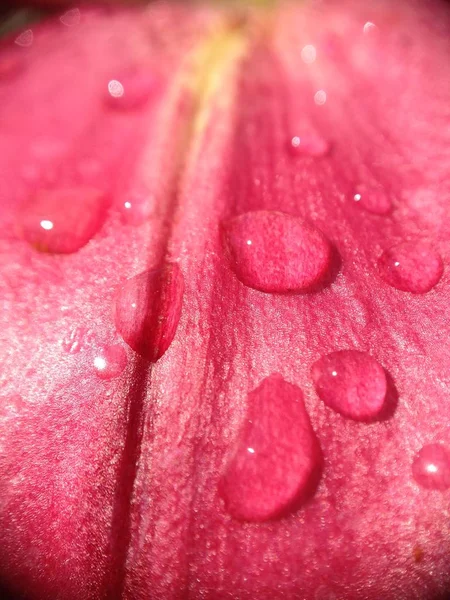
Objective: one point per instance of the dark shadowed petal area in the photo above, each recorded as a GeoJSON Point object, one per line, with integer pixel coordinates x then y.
{"type": "Point", "coordinates": [158, 127]}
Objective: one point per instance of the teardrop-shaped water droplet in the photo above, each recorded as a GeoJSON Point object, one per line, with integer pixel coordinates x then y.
{"type": "Point", "coordinates": [136, 208]}
{"type": "Point", "coordinates": [374, 200]}
{"type": "Point", "coordinates": [275, 252]}
{"type": "Point", "coordinates": [131, 90]}
{"type": "Point", "coordinates": [352, 383]}
{"type": "Point", "coordinates": [411, 267]}
{"type": "Point", "coordinates": [277, 460]}
{"type": "Point", "coordinates": [148, 309]}
{"type": "Point", "coordinates": [308, 145]}
{"type": "Point", "coordinates": [63, 220]}
{"type": "Point", "coordinates": [110, 361]}
{"type": "Point", "coordinates": [431, 467]}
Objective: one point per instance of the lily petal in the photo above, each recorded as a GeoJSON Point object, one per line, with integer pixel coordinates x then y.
{"type": "Point", "coordinates": [182, 121]}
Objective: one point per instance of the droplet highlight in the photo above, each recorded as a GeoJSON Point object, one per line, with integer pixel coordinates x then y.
{"type": "Point", "coordinates": [275, 252]}
{"type": "Point", "coordinates": [62, 221]}
{"type": "Point", "coordinates": [320, 97]}
{"type": "Point", "coordinates": [373, 200]}
{"type": "Point", "coordinates": [74, 340]}
{"type": "Point", "coordinates": [110, 361]}
{"type": "Point", "coordinates": [411, 267]}
{"type": "Point", "coordinates": [431, 467]}
{"type": "Point", "coordinates": [136, 208]}
{"type": "Point", "coordinates": [277, 460]}
{"type": "Point", "coordinates": [352, 383]}
{"type": "Point", "coordinates": [131, 90]}
{"type": "Point", "coordinates": [148, 309]}
{"type": "Point", "coordinates": [309, 144]}
{"type": "Point", "coordinates": [308, 54]}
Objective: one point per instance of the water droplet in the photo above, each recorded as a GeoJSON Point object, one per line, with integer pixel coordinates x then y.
{"type": "Point", "coordinates": [309, 144]}
{"type": "Point", "coordinates": [131, 89]}
{"type": "Point", "coordinates": [373, 200]}
{"type": "Point", "coordinates": [352, 383]}
{"type": "Point", "coordinates": [277, 460]}
{"type": "Point", "coordinates": [63, 220]}
{"type": "Point", "coordinates": [320, 97]}
{"type": "Point", "coordinates": [148, 309]}
{"type": "Point", "coordinates": [25, 39]}
{"type": "Point", "coordinates": [308, 54]}
{"type": "Point", "coordinates": [411, 267]}
{"type": "Point", "coordinates": [11, 65]}
{"type": "Point", "coordinates": [284, 254]}
{"type": "Point", "coordinates": [431, 467]}
{"type": "Point", "coordinates": [71, 18]}
{"type": "Point", "coordinates": [110, 361]}
{"type": "Point", "coordinates": [136, 208]}
{"type": "Point", "coordinates": [74, 340]}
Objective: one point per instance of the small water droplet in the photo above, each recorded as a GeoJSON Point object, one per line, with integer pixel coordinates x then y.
{"type": "Point", "coordinates": [71, 18]}
{"type": "Point", "coordinates": [136, 209]}
{"type": "Point", "coordinates": [277, 460]}
{"type": "Point", "coordinates": [284, 254]}
{"type": "Point", "coordinates": [309, 144]}
{"type": "Point", "coordinates": [148, 309]}
{"type": "Point", "coordinates": [373, 200]}
{"type": "Point", "coordinates": [431, 467]}
{"type": "Point", "coordinates": [131, 90]}
{"type": "Point", "coordinates": [25, 39]}
{"type": "Point", "coordinates": [320, 97]}
{"type": "Point", "coordinates": [73, 343]}
{"type": "Point", "coordinates": [11, 64]}
{"type": "Point", "coordinates": [110, 361]}
{"type": "Point", "coordinates": [411, 267]}
{"type": "Point", "coordinates": [308, 54]}
{"type": "Point", "coordinates": [352, 383]}
{"type": "Point", "coordinates": [62, 221]}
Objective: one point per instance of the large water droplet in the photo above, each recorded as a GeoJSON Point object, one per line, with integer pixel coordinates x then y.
{"type": "Point", "coordinates": [374, 200]}
{"type": "Point", "coordinates": [277, 461]}
{"type": "Point", "coordinates": [148, 309]}
{"type": "Point", "coordinates": [308, 144]}
{"type": "Point", "coordinates": [411, 267]}
{"type": "Point", "coordinates": [63, 220]}
{"type": "Point", "coordinates": [110, 361]}
{"type": "Point", "coordinates": [275, 252]}
{"type": "Point", "coordinates": [131, 90]}
{"type": "Point", "coordinates": [352, 383]}
{"type": "Point", "coordinates": [431, 467]}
